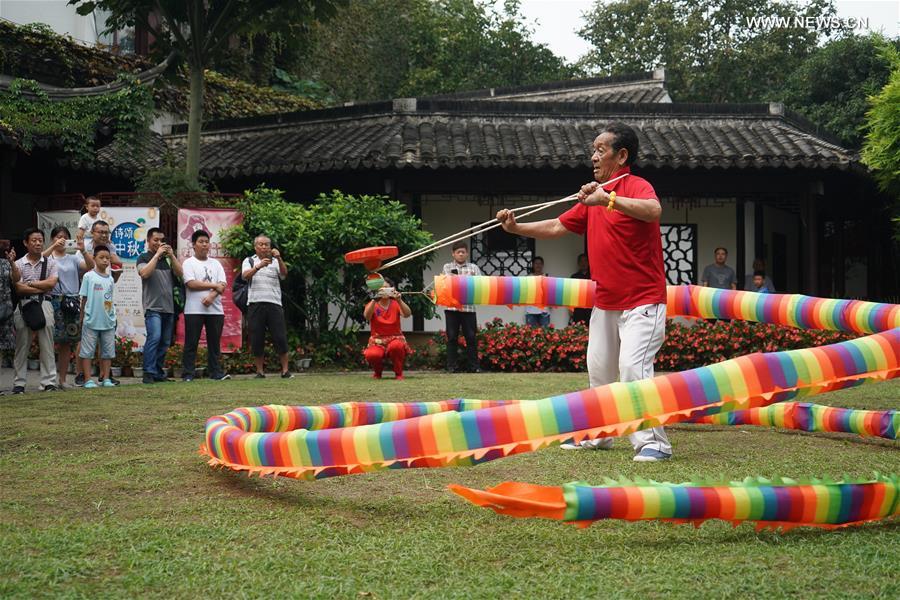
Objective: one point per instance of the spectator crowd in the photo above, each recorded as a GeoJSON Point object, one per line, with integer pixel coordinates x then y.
{"type": "Point", "coordinates": [62, 295]}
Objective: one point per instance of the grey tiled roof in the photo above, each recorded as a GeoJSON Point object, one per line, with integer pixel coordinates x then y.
{"type": "Point", "coordinates": [469, 134]}
{"type": "Point", "coordinates": [114, 160]}
{"type": "Point", "coordinates": [639, 88]}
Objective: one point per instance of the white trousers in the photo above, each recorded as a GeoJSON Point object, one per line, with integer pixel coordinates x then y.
{"type": "Point", "coordinates": [621, 347]}
{"type": "Point", "coordinates": [45, 343]}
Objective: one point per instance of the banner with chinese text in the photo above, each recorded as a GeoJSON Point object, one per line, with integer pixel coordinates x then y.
{"type": "Point", "coordinates": [49, 219]}
{"type": "Point", "coordinates": [128, 227]}
{"type": "Point", "coordinates": [213, 221]}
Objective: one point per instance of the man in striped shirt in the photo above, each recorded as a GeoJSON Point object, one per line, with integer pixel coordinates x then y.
{"type": "Point", "coordinates": [264, 273]}
{"type": "Point", "coordinates": [39, 275]}
{"type": "Point", "coordinates": [464, 316]}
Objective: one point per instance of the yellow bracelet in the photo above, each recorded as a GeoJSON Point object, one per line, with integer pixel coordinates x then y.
{"type": "Point", "coordinates": [612, 201]}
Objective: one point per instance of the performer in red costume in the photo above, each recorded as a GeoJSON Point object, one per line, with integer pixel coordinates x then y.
{"type": "Point", "coordinates": [384, 314]}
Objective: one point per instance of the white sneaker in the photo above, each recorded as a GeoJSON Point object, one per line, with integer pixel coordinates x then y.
{"type": "Point", "coordinates": [650, 455]}
{"type": "Point", "coordinates": [597, 444]}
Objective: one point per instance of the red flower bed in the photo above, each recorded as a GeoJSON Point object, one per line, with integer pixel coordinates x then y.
{"type": "Point", "coordinates": [511, 347]}
{"type": "Point", "coordinates": [706, 342]}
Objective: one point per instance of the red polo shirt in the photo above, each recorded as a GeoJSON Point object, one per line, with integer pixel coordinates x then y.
{"type": "Point", "coordinates": [625, 253]}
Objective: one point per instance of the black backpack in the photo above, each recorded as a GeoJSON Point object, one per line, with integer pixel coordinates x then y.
{"type": "Point", "coordinates": [32, 310]}
{"type": "Point", "coordinates": [240, 290]}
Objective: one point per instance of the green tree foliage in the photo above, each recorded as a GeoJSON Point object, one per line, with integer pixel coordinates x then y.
{"type": "Point", "coordinates": [27, 114]}
{"type": "Point", "coordinates": [199, 30]}
{"type": "Point", "coordinates": [711, 50]}
{"type": "Point", "coordinates": [169, 180]}
{"type": "Point", "coordinates": [881, 151]}
{"type": "Point", "coordinates": [380, 49]}
{"type": "Point", "coordinates": [314, 239]}
{"type": "Point", "coordinates": [832, 86]}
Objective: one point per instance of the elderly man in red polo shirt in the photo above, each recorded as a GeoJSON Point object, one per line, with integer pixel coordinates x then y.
{"type": "Point", "coordinates": [628, 322]}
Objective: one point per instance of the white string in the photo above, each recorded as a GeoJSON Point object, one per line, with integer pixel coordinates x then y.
{"type": "Point", "coordinates": [466, 233]}
{"type": "Point", "coordinates": [482, 227]}
{"type": "Point", "coordinates": [476, 229]}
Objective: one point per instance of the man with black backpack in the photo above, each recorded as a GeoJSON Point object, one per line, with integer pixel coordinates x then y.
{"type": "Point", "coordinates": [263, 273]}
{"type": "Point", "coordinates": [34, 313]}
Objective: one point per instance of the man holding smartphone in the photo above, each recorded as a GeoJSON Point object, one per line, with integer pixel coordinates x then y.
{"type": "Point", "coordinates": [155, 266]}
{"type": "Point", "coordinates": [463, 317]}
{"type": "Point", "coordinates": [264, 272]}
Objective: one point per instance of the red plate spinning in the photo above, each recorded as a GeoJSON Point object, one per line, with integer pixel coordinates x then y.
{"type": "Point", "coordinates": [371, 258]}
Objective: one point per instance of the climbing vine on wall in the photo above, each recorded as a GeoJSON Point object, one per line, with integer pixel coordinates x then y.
{"type": "Point", "coordinates": [33, 119]}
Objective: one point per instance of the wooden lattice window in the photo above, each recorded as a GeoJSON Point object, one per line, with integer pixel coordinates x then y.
{"type": "Point", "coordinates": [679, 244]}
{"type": "Point", "coordinates": [497, 252]}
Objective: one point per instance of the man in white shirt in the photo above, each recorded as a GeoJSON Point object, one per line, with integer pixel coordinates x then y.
{"type": "Point", "coordinates": [264, 272]}
{"type": "Point", "coordinates": [204, 281]}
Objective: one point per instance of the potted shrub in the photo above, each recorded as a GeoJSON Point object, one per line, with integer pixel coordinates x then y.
{"type": "Point", "coordinates": [173, 359]}
{"type": "Point", "coordinates": [125, 358]}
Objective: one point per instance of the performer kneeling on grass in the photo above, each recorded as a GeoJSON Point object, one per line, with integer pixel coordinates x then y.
{"type": "Point", "coordinates": [628, 322]}
{"type": "Point", "coordinates": [384, 314]}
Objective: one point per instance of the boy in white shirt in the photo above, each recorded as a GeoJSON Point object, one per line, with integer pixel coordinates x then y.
{"type": "Point", "coordinates": [86, 223]}
{"type": "Point", "coordinates": [204, 281]}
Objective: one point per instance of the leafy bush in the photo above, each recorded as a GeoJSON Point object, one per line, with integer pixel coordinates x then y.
{"type": "Point", "coordinates": [335, 349]}
{"type": "Point", "coordinates": [313, 240]}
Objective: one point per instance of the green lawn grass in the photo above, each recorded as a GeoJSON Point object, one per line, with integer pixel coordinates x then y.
{"type": "Point", "coordinates": [103, 494]}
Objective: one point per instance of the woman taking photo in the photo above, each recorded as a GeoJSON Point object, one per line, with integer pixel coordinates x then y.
{"type": "Point", "coordinates": [71, 263]}
{"type": "Point", "coordinates": [386, 340]}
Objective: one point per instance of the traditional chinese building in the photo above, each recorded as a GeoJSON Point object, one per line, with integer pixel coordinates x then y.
{"type": "Point", "coordinates": [755, 178]}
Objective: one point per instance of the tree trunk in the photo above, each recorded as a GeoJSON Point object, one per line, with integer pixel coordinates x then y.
{"type": "Point", "coordinates": [195, 122]}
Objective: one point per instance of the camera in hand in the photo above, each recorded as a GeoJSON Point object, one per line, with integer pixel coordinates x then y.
{"type": "Point", "coordinates": [71, 246]}
{"type": "Point", "coordinates": [454, 271]}
{"type": "Point", "coordinates": [385, 292]}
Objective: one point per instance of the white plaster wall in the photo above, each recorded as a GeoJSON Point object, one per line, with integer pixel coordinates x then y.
{"type": "Point", "coordinates": [61, 17]}
{"type": "Point", "coordinates": [716, 226]}
{"type": "Point", "coordinates": [446, 217]}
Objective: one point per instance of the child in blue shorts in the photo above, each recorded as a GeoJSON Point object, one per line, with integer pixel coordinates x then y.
{"type": "Point", "coordinates": [98, 317]}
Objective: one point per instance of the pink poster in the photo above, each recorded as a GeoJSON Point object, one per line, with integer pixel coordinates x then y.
{"type": "Point", "coordinates": [213, 221]}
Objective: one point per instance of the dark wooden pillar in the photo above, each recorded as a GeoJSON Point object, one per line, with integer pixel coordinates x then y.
{"type": "Point", "coordinates": [416, 208]}
{"type": "Point", "coordinates": [759, 232]}
{"type": "Point", "coordinates": [741, 237]}
{"type": "Point", "coordinates": [809, 244]}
